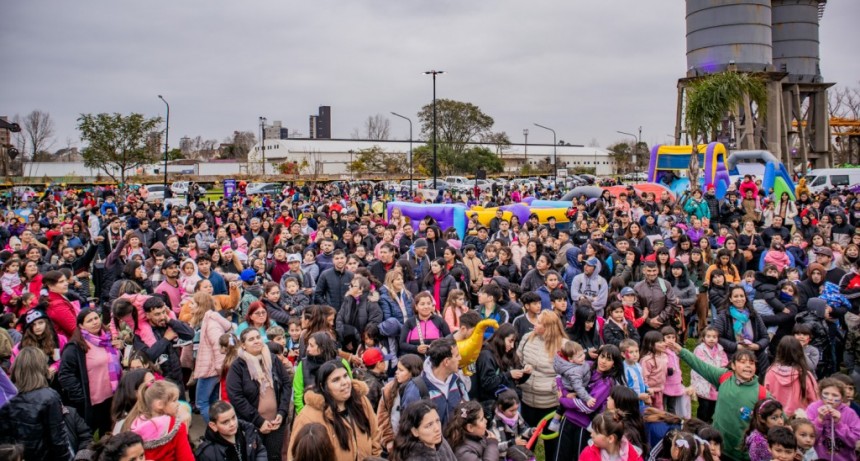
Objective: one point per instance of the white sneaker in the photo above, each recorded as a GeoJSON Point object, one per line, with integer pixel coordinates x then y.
{"type": "Point", "coordinates": [554, 425]}
{"type": "Point", "coordinates": [182, 343]}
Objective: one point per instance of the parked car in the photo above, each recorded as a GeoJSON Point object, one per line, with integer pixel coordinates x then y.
{"type": "Point", "coordinates": [156, 192]}
{"type": "Point", "coordinates": [405, 186]}
{"type": "Point", "coordinates": [260, 188]}
{"type": "Point", "coordinates": [638, 176]}
{"type": "Point", "coordinates": [830, 178]}
{"type": "Point", "coordinates": [181, 187]}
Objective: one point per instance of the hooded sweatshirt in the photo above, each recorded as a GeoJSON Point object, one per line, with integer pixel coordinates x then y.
{"type": "Point", "coordinates": [783, 382]}
{"type": "Point", "coordinates": [187, 283]}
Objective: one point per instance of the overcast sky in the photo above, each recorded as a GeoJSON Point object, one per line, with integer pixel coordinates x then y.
{"type": "Point", "coordinates": [585, 68]}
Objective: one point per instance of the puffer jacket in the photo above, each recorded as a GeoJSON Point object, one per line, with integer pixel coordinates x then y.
{"type": "Point", "coordinates": [358, 313]}
{"type": "Point", "coordinates": [361, 445]}
{"type": "Point", "coordinates": [210, 359]}
{"type": "Point", "coordinates": [442, 452]}
{"type": "Point", "coordinates": [698, 208]}
{"type": "Point", "coordinates": [332, 287]}
{"type": "Point", "coordinates": [390, 307]}
{"type": "Point", "coordinates": [766, 290]}
{"type": "Point", "coordinates": [477, 449]}
{"type": "Point", "coordinates": [216, 448]}
{"type": "Point", "coordinates": [541, 390]}
{"type": "Point", "coordinates": [35, 420]}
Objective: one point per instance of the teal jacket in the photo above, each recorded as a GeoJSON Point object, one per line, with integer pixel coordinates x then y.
{"type": "Point", "coordinates": [735, 402]}
{"type": "Point", "coordinates": [698, 208]}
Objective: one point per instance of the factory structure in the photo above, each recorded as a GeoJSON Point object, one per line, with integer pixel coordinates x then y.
{"type": "Point", "coordinates": [777, 39]}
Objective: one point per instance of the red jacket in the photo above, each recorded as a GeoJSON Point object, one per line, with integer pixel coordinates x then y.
{"type": "Point", "coordinates": [174, 446]}
{"type": "Point", "coordinates": [592, 453]}
{"type": "Point", "coordinates": [62, 313]}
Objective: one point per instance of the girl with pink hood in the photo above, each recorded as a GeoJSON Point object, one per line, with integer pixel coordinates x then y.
{"type": "Point", "coordinates": [160, 420]}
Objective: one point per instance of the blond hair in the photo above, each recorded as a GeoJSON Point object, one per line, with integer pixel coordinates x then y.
{"type": "Point", "coordinates": [553, 335]}
{"type": "Point", "coordinates": [147, 394]}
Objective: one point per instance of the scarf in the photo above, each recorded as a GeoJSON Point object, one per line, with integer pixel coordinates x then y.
{"type": "Point", "coordinates": [114, 365]}
{"type": "Point", "coordinates": [510, 422]}
{"type": "Point", "coordinates": [740, 320]}
{"type": "Point", "coordinates": [260, 368]}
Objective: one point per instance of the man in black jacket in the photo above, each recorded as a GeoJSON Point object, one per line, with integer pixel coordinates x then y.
{"type": "Point", "coordinates": [334, 282]}
{"type": "Point", "coordinates": [164, 352]}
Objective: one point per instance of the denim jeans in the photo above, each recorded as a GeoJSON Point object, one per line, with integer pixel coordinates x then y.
{"type": "Point", "coordinates": [207, 393]}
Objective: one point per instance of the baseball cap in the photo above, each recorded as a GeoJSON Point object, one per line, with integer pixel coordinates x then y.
{"type": "Point", "coordinates": [593, 262]}
{"type": "Point", "coordinates": [169, 262]}
{"type": "Point", "coordinates": [373, 356]}
{"type": "Point", "coordinates": [294, 257]}
{"type": "Point", "coordinates": [248, 275]}
{"type": "Point", "coordinates": [627, 291]}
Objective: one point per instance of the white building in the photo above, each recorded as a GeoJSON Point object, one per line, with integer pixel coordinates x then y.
{"type": "Point", "coordinates": [331, 156]}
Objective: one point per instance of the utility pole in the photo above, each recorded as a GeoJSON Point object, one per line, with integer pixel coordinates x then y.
{"type": "Point", "coordinates": [166, 143]}
{"type": "Point", "coordinates": [411, 185]}
{"type": "Point", "coordinates": [263, 142]}
{"type": "Point", "coordinates": [554, 157]}
{"type": "Point", "coordinates": [435, 164]}
{"type": "Point", "coordinates": [526, 154]}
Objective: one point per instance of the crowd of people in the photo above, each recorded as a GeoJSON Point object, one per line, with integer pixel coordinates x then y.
{"type": "Point", "coordinates": [314, 325]}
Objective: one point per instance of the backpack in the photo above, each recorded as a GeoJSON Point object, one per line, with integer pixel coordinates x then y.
{"type": "Point", "coordinates": [762, 392]}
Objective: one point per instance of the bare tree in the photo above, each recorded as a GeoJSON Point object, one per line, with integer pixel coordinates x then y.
{"type": "Point", "coordinates": [376, 128]}
{"type": "Point", "coordinates": [38, 128]}
{"type": "Point", "coordinates": [845, 108]}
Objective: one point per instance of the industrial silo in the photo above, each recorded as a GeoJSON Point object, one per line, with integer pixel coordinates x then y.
{"type": "Point", "coordinates": [722, 32]}
{"type": "Point", "coordinates": [795, 39]}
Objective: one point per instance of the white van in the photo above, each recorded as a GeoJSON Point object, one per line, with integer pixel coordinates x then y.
{"type": "Point", "coordinates": [819, 179]}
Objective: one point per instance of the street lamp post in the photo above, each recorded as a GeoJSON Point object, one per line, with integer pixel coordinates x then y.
{"type": "Point", "coordinates": [434, 73]}
{"type": "Point", "coordinates": [166, 144]}
{"type": "Point", "coordinates": [554, 158]}
{"type": "Point", "coordinates": [526, 153]}
{"type": "Point", "coordinates": [638, 142]}
{"type": "Point", "coordinates": [411, 185]}
{"type": "Point", "coordinates": [263, 142]}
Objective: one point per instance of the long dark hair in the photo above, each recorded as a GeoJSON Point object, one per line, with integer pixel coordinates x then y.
{"type": "Point", "coordinates": [581, 315]}
{"type": "Point", "coordinates": [405, 443]}
{"type": "Point", "coordinates": [684, 280]}
{"type": "Point", "coordinates": [355, 407]}
{"type": "Point", "coordinates": [77, 336]}
{"type": "Point", "coordinates": [496, 345]}
{"type": "Point", "coordinates": [467, 412]}
{"type": "Point", "coordinates": [414, 364]}
{"type": "Point", "coordinates": [126, 393]}
{"type": "Point", "coordinates": [312, 443]}
{"type": "Point", "coordinates": [789, 353]}
{"type": "Point", "coordinates": [728, 302]}
{"type": "Point", "coordinates": [429, 279]}
{"type": "Point", "coordinates": [613, 352]}
{"type": "Point", "coordinates": [627, 408]}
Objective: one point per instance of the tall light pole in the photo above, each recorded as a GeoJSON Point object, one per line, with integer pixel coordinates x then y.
{"type": "Point", "coordinates": [526, 154]}
{"type": "Point", "coordinates": [554, 162]}
{"type": "Point", "coordinates": [263, 141]}
{"type": "Point", "coordinates": [636, 147]}
{"type": "Point", "coordinates": [434, 73]}
{"type": "Point", "coordinates": [411, 185]}
{"type": "Point", "coordinates": [166, 144]}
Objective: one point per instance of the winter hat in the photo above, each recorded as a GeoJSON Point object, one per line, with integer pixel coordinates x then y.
{"type": "Point", "coordinates": [248, 275]}
{"type": "Point", "coordinates": [33, 315]}
{"type": "Point", "coordinates": [420, 243]}
{"type": "Point", "coordinates": [817, 306]}
{"type": "Point", "coordinates": [813, 267]}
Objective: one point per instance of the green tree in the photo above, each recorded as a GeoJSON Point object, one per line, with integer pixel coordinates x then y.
{"type": "Point", "coordinates": [376, 160]}
{"type": "Point", "coordinates": [712, 98]}
{"type": "Point", "coordinates": [475, 158]}
{"type": "Point", "coordinates": [458, 123]}
{"type": "Point", "coordinates": [119, 142]}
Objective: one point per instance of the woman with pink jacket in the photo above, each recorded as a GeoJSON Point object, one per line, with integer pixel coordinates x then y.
{"type": "Point", "coordinates": [210, 358]}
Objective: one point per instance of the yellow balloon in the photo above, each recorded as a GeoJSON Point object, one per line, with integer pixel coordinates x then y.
{"type": "Point", "coordinates": [471, 346]}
